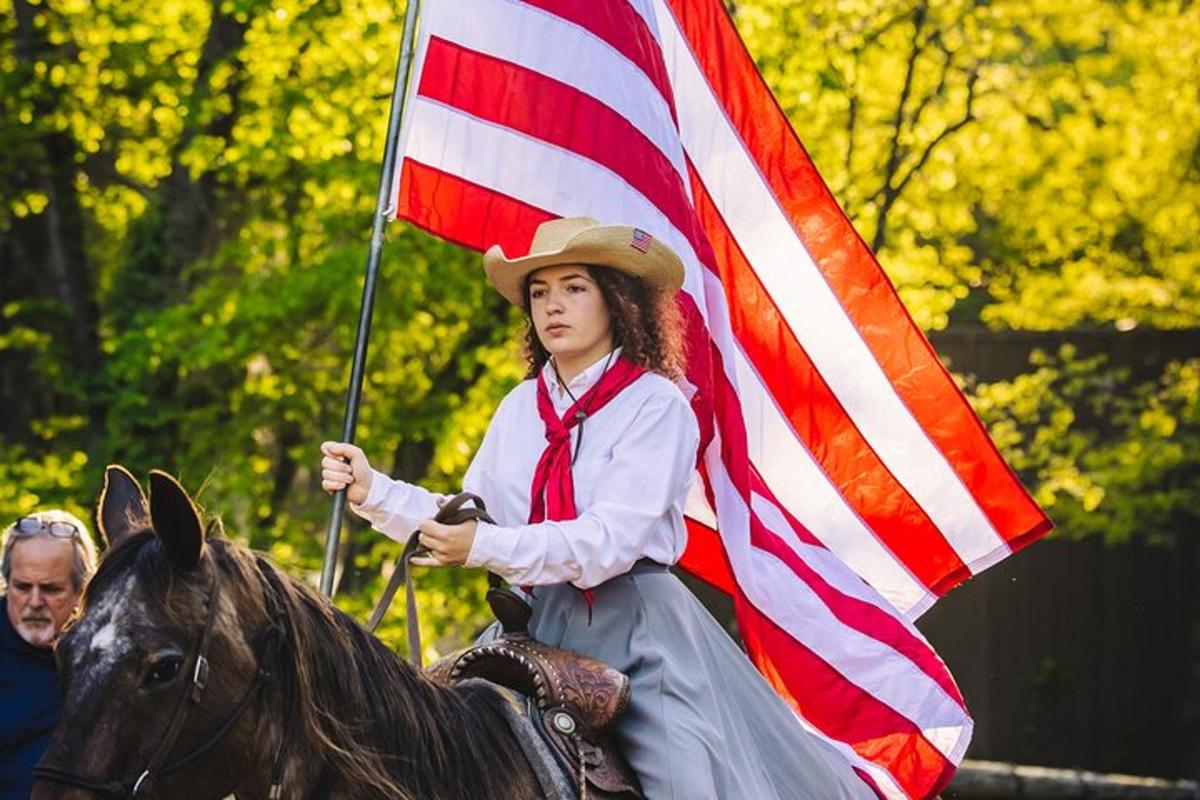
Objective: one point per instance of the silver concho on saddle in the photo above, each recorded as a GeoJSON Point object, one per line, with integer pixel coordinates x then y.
{"type": "Point", "coordinates": [571, 700]}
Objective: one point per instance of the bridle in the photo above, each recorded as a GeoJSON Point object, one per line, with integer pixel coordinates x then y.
{"type": "Point", "coordinates": [274, 638]}
{"type": "Point", "coordinates": [454, 512]}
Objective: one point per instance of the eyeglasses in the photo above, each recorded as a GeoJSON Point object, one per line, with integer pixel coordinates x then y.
{"type": "Point", "coordinates": [32, 526]}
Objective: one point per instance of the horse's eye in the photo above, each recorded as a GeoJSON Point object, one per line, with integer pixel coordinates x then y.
{"type": "Point", "coordinates": [163, 669]}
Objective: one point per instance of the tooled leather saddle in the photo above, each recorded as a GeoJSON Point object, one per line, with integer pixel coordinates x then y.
{"type": "Point", "coordinates": [572, 700]}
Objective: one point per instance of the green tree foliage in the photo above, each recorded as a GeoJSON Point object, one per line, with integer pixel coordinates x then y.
{"type": "Point", "coordinates": [1109, 457]}
{"type": "Point", "coordinates": [188, 189]}
{"type": "Point", "coordinates": [1027, 163]}
{"type": "Point", "coordinates": [186, 195]}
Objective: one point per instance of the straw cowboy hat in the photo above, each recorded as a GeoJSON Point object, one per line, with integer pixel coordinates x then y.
{"type": "Point", "coordinates": [583, 240]}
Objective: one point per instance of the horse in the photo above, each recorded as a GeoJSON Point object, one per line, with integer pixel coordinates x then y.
{"type": "Point", "coordinates": [198, 670]}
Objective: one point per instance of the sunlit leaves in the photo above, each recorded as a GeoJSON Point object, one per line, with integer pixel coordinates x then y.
{"type": "Point", "coordinates": [1069, 195]}
{"type": "Point", "coordinates": [1104, 458]}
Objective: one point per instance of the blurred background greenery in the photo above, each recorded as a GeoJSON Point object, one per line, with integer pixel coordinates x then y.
{"type": "Point", "coordinates": [187, 187]}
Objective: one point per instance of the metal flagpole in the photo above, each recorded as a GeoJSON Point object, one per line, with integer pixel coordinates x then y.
{"type": "Point", "coordinates": [354, 396]}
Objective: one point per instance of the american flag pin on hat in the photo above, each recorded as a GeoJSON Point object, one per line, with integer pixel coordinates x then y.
{"type": "Point", "coordinates": [641, 240]}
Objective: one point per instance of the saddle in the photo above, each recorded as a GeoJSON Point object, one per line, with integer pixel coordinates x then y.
{"type": "Point", "coordinates": [573, 700]}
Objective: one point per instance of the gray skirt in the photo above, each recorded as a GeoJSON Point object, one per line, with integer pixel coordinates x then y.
{"type": "Point", "coordinates": [702, 722]}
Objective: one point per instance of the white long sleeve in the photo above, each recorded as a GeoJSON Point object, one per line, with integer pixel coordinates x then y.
{"type": "Point", "coordinates": [394, 507]}
{"type": "Point", "coordinates": [631, 479]}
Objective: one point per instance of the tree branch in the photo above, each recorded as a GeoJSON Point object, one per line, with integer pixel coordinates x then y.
{"type": "Point", "coordinates": [893, 162]}
{"type": "Point", "coordinates": [914, 119]}
{"type": "Point", "coordinates": [892, 191]}
{"type": "Point", "coordinates": [967, 117]}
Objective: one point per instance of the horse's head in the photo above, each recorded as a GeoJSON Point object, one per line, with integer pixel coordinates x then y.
{"type": "Point", "coordinates": [196, 670]}
{"type": "Point", "coordinates": [164, 614]}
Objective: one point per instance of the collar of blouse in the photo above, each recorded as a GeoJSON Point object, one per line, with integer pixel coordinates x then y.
{"type": "Point", "coordinates": [578, 385]}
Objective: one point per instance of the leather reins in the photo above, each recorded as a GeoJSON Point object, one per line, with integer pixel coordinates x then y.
{"type": "Point", "coordinates": [454, 512]}
{"type": "Point", "coordinates": [273, 641]}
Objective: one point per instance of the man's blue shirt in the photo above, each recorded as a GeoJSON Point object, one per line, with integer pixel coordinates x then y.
{"type": "Point", "coordinates": [30, 702]}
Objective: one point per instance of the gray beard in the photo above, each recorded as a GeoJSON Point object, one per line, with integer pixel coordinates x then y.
{"type": "Point", "coordinates": [37, 631]}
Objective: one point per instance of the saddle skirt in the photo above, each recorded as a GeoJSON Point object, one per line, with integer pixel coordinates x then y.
{"type": "Point", "coordinates": [561, 708]}
{"type": "Point", "coordinates": [594, 693]}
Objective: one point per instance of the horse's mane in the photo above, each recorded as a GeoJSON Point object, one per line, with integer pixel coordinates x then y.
{"type": "Point", "coordinates": [364, 712]}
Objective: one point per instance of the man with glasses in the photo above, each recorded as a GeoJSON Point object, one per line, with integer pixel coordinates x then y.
{"type": "Point", "coordinates": [47, 559]}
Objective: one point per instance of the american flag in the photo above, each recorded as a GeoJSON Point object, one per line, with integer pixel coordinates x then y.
{"type": "Point", "coordinates": [641, 240]}
{"type": "Point", "coordinates": [845, 483]}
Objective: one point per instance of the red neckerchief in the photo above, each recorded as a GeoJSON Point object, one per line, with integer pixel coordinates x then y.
{"type": "Point", "coordinates": [552, 494]}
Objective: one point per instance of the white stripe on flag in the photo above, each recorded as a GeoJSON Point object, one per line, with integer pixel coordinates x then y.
{"type": "Point", "coordinates": [645, 10]}
{"type": "Point", "coordinates": [803, 487]}
{"type": "Point", "coordinates": [888, 676]}
{"type": "Point", "coordinates": [884, 780]}
{"type": "Point", "coordinates": [515, 32]}
{"type": "Point", "coordinates": [537, 173]}
{"type": "Point", "coordinates": [766, 236]}
{"type": "Point", "coordinates": [697, 506]}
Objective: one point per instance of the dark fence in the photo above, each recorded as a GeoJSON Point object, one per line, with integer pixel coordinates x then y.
{"type": "Point", "coordinates": [1077, 654]}
{"type": "Point", "coordinates": [994, 355]}
{"type": "Point", "coordinates": [1071, 653]}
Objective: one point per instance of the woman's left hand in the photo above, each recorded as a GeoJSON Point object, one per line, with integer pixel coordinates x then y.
{"type": "Point", "coordinates": [449, 545]}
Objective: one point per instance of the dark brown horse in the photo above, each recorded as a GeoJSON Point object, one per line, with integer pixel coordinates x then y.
{"type": "Point", "coordinates": [201, 671]}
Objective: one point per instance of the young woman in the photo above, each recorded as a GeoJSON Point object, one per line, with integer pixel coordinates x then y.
{"type": "Point", "coordinates": [585, 467]}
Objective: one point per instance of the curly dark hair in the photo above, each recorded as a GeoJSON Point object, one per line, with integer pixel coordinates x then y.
{"type": "Point", "coordinates": [646, 324]}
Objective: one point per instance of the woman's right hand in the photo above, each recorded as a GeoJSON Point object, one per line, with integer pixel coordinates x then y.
{"type": "Point", "coordinates": [345, 466]}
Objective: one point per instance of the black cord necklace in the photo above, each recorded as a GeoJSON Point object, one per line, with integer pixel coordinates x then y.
{"type": "Point", "coordinates": [580, 414]}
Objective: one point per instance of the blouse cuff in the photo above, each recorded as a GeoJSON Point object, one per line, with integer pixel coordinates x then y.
{"type": "Point", "coordinates": [492, 548]}
{"type": "Point", "coordinates": [379, 488]}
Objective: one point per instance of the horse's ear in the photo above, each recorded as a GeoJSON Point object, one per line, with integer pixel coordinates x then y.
{"type": "Point", "coordinates": [176, 521]}
{"type": "Point", "coordinates": [121, 510]}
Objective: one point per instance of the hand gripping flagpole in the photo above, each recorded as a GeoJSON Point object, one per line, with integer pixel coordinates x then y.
{"type": "Point", "coordinates": [382, 212]}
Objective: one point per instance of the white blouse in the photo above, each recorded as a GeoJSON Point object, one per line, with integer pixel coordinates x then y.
{"type": "Point", "coordinates": [631, 477]}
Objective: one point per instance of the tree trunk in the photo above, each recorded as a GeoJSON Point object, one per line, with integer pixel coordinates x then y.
{"type": "Point", "coordinates": [46, 259]}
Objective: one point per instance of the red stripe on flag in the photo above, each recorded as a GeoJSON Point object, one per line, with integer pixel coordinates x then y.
{"type": "Point", "coordinates": [854, 275]}
{"type": "Point", "coordinates": [622, 28]}
{"type": "Point", "coordinates": [705, 557]}
{"type": "Point", "coordinates": [528, 102]}
{"type": "Point", "coordinates": [699, 370]}
{"type": "Point", "coordinates": [840, 709]}
{"type": "Point", "coordinates": [869, 781]}
{"type": "Point", "coordinates": [863, 617]}
{"type": "Point", "coordinates": [463, 212]}
{"type": "Point", "coordinates": [815, 413]}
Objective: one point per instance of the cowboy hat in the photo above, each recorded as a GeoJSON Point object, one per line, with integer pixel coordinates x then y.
{"type": "Point", "coordinates": [583, 240]}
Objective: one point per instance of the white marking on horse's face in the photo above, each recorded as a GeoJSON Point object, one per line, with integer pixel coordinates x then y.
{"type": "Point", "coordinates": [105, 635]}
